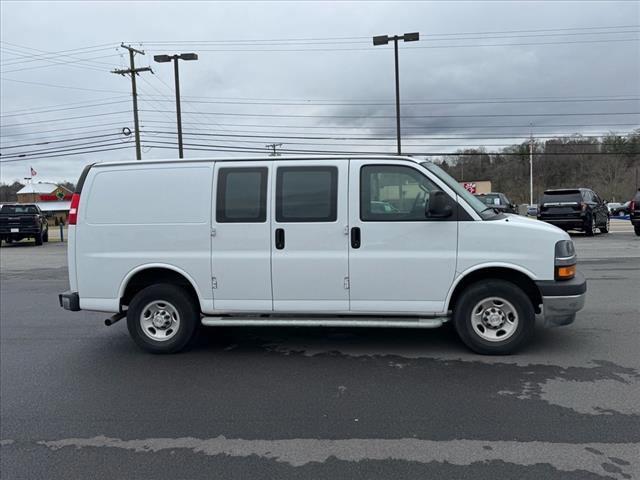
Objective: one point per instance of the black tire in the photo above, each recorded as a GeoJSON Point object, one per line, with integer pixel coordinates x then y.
{"type": "Point", "coordinates": [176, 297]}
{"type": "Point", "coordinates": [605, 228]}
{"type": "Point", "coordinates": [590, 227]}
{"type": "Point", "coordinates": [45, 237]}
{"type": "Point", "coordinates": [636, 228]}
{"type": "Point", "coordinates": [476, 293]}
{"type": "Point", "coordinates": [39, 239]}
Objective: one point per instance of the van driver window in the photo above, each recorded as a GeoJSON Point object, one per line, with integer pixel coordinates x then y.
{"type": "Point", "coordinates": [393, 193]}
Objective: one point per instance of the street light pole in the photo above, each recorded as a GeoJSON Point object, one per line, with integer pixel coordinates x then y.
{"type": "Point", "coordinates": [395, 50]}
{"type": "Point", "coordinates": [176, 74]}
{"type": "Point", "coordinates": [384, 40]}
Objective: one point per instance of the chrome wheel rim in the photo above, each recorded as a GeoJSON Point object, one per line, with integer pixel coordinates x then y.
{"type": "Point", "coordinates": [160, 320]}
{"type": "Point", "coordinates": [494, 319]}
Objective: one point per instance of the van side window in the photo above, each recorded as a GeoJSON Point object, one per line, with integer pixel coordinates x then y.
{"type": "Point", "coordinates": [307, 194]}
{"type": "Point", "coordinates": [391, 193]}
{"type": "Point", "coordinates": [241, 195]}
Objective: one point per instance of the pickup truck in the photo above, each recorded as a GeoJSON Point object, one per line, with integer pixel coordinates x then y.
{"type": "Point", "coordinates": [23, 220]}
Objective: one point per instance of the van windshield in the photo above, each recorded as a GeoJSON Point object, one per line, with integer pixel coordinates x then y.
{"type": "Point", "coordinates": [481, 209]}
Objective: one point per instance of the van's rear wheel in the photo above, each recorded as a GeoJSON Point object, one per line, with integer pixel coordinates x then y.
{"type": "Point", "coordinates": [494, 317]}
{"type": "Point", "coordinates": [162, 318]}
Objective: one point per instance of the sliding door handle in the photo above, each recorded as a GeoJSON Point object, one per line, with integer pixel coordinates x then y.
{"type": "Point", "coordinates": [355, 237]}
{"type": "Point", "coordinates": [279, 238]}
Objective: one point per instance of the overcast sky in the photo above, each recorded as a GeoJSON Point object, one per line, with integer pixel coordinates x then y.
{"type": "Point", "coordinates": [312, 61]}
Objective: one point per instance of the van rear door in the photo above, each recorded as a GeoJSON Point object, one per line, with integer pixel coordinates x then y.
{"type": "Point", "coordinates": [241, 236]}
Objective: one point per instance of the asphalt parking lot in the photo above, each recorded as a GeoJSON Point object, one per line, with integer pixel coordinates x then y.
{"type": "Point", "coordinates": [80, 400]}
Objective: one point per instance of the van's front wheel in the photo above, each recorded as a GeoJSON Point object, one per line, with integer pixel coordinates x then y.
{"type": "Point", "coordinates": [162, 318]}
{"type": "Point", "coordinates": [494, 317]}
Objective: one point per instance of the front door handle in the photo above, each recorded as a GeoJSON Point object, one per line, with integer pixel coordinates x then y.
{"type": "Point", "coordinates": [279, 238]}
{"type": "Point", "coordinates": [355, 237]}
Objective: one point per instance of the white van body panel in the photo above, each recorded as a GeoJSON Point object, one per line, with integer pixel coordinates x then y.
{"type": "Point", "coordinates": [514, 242]}
{"type": "Point", "coordinates": [140, 214]}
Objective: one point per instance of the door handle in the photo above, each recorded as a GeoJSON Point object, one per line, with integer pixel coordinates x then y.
{"type": "Point", "coordinates": [355, 237]}
{"type": "Point", "coordinates": [279, 238]}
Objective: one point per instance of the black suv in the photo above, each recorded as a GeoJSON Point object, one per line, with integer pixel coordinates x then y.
{"type": "Point", "coordinates": [574, 209]}
{"type": "Point", "coordinates": [634, 212]}
{"type": "Point", "coordinates": [497, 201]}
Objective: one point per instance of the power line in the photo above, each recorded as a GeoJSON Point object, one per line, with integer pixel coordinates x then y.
{"type": "Point", "coordinates": [59, 141]}
{"type": "Point", "coordinates": [351, 152]}
{"type": "Point", "coordinates": [365, 49]}
{"type": "Point", "coordinates": [60, 86]}
{"type": "Point", "coordinates": [425, 127]}
{"type": "Point", "coordinates": [68, 148]}
{"type": "Point", "coordinates": [78, 127]}
{"type": "Point", "coordinates": [65, 154]}
{"type": "Point", "coordinates": [368, 38]}
{"type": "Point", "coordinates": [487, 115]}
{"type": "Point", "coordinates": [367, 137]}
{"type": "Point", "coordinates": [64, 119]}
{"type": "Point", "coordinates": [38, 112]}
{"type": "Point", "coordinates": [311, 103]}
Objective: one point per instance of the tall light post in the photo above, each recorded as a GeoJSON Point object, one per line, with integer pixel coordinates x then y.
{"type": "Point", "coordinates": [175, 58]}
{"type": "Point", "coordinates": [384, 40]}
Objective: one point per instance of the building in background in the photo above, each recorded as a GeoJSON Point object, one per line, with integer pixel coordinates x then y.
{"type": "Point", "coordinates": [481, 186]}
{"type": "Point", "coordinates": [54, 200]}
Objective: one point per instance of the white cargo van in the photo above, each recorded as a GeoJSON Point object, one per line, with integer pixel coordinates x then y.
{"type": "Point", "coordinates": [316, 241]}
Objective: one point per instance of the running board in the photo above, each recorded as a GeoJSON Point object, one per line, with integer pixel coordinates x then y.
{"type": "Point", "coordinates": [388, 322]}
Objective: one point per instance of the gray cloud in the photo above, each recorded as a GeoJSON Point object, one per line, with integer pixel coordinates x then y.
{"type": "Point", "coordinates": [470, 72]}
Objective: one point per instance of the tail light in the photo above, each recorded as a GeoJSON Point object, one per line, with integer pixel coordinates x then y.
{"type": "Point", "coordinates": [73, 209]}
{"type": "Point", "coordinates": [632, 206]}
{"type": "Point", "coordinates": [583, 206]}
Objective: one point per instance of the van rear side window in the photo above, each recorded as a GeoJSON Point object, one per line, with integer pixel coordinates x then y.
{"type": "Point", "coordinates": [241, 195]}
{"type": "Point", "coordinates": [149, 196]}
{"type": "Point", "coordinates": [307, 194]}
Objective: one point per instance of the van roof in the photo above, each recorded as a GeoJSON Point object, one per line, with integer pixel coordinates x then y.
{"type": "Point", "coordinates": [258, 159]}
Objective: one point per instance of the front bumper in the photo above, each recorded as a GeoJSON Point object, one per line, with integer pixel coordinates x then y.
{"type": "Point", "coordinates": [69, 300]}
{"type": "Point", "coordinates": [561, 300]}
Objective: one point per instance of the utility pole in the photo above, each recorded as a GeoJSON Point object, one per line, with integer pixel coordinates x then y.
{"type": "Point", "coordinates": [133, 71]}
{"type": "Point", "coordinates": [531, 169]}
{"type": "Point", "coordinates": [273, 147]}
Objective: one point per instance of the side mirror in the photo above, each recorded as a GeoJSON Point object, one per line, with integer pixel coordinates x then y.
{"type": "Point", "coordinates": [438, 205]}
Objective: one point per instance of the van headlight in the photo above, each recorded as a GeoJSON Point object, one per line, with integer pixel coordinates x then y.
{"type": "Point", "coordinates": [565, 260]}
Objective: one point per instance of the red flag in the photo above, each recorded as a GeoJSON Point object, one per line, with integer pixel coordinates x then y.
{"type": "Point", "coordinates": [33, 172]}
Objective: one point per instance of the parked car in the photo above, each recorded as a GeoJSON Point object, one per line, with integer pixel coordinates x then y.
{"type": "Point", "coordinates": [574, 209]}
{"type": "Point", "coordinates": [634, 212]}
{"type": "Point", "coordinates": [618, 209]}
{"type": "Point", "coordinates": [303, 241]}
{"type": "Point", "coordinates": [498, 201]}
{"type": "Point", "coordinates": [23, 220]}
{"type": "Point", "coordinates": [532, 210]}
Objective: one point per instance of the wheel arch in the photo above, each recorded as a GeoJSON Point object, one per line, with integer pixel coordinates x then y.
{"type": "Point", "coordinates": [512, 273]}
{"type": "Point", "coordinates": [145, 275]}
